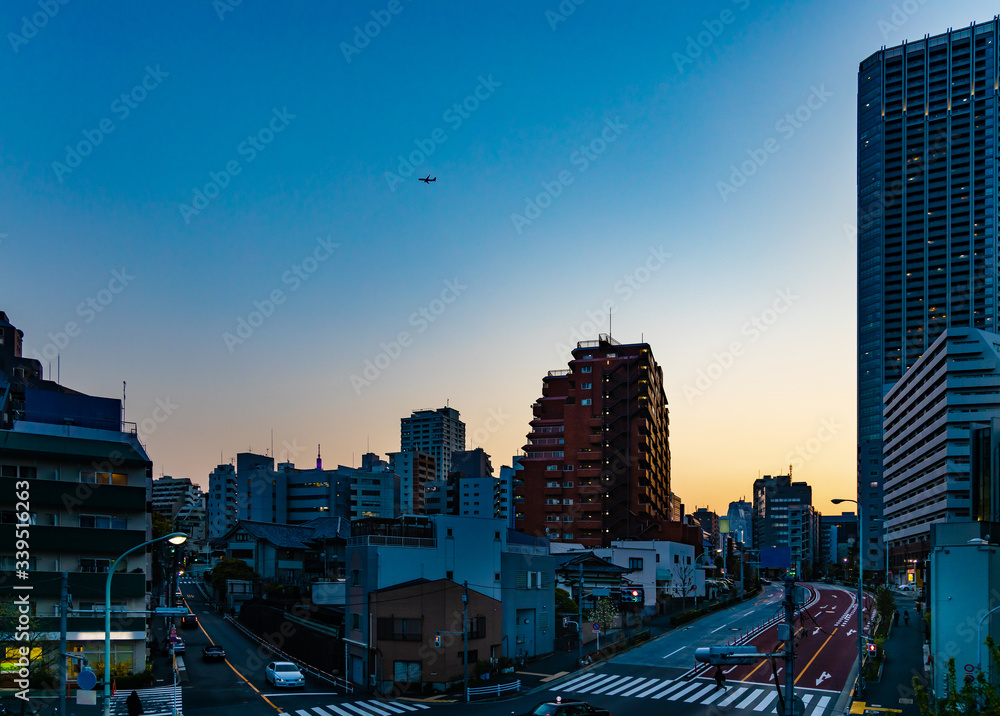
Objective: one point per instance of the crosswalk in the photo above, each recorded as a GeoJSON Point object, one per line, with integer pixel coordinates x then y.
{"type": "Point", "coordinates": [757, 698]}
{"type": "Point", "coordinates": [362, 708]}
{"type": "Point", "coordinates": [157, 701]}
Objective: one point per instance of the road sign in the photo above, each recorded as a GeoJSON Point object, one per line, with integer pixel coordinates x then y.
{"type": "Point", "coordinates": [170, 611]}
{"type": "Point", "coordinates": [597, 628]}
{"type": "Point", "coordinates": [86, 679]}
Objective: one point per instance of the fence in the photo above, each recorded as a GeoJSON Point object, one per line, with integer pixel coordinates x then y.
{"type": "Point", "coordinates": [347, 686]}
{"type": "Point", "coordinates": [496, 690]}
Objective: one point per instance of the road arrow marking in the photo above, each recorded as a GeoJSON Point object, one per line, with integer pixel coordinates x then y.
{"type": "Point", "coordinates": [733, 668]}
{"type": "Point", "coordinates": [851, 632]}
{"type": "Point", "coordinates": [823, 677]}
{"type": "Point", "coordinates": [815, 631]}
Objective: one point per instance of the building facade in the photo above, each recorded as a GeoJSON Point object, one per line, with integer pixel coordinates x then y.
{"type": "Point", "coordinates": [926, 230]}
{"type": "Point", "coordinates": [415, 470]}
{"type": "Point", "coordinates": [953, 387]}
{"type": "Point", "coordinates": [597, 462]}
{"type": "Point", "coordinates": [221, 500]}
{"type": "Point", "coordinates": [775, 498]}
{"type": "Point", "coordinates": [437, 433]}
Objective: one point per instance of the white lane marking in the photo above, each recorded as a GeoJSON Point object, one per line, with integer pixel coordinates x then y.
{"type": "Point", "coordinates": [339, 710]}
{"type": "Point", "coordinates": [573, 683]}
{"type": "Point", "coordinates": [618, 682]}
{"type": "Point", "coordinates": [771, 696]}
{"type": "Point", "coordinates": [593, 684]}
{"type": "Point", "coordinates": [735, 695]}
{"type": "Point", "coordinates": [749, 699]}
{"type": "Point", "coordinates": [675, 651]}
{"type": "Point", "coordinates": [643, 683]}
{"type": "Point", "coordinates": [677, 694]}
{"type": "Point", "coordinates": [630, 681]}
{"type": "Point", "coordinates": [701, 693]}
{"type": "Point", "coordinates": [664, 686]}
{"type": "Point", "coordinates": [376, 707]}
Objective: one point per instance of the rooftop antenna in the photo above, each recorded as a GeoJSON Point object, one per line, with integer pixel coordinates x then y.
{"type": "Point", "coordinates": [272, 442]}
{"type": "Point", "coordinates": [123, 401]}
{"type": "Point", "coordinates": [59, 369]}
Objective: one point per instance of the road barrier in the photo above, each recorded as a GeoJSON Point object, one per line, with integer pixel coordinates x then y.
{"type": "Point", "coordinates": [492, 690]}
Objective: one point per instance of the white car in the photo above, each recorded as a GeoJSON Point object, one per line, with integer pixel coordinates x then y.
{"type": "Point", "coordinates": [284, 673]}
{"type": "Point", "coordinates": [905, 587]}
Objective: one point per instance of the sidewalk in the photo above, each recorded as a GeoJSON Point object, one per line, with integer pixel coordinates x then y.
{"type": "Point", "coordinates": [904, 659]}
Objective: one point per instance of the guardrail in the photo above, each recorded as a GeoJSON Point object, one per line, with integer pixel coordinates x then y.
{"type": "Point", "coordinates": [347, 686]}
{"type": "Point", "coordinates": [492, 690]}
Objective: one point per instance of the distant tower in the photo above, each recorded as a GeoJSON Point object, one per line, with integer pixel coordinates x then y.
{"type": "Point", "coordinates": [319, 459]}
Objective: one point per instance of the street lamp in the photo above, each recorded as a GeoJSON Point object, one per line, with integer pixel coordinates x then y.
{"type": "Point", "coordinates": [861, 594]}
{"type": "Point", "coordinates": [173, 538]}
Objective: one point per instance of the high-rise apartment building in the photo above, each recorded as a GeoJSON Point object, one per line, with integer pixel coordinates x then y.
{"type": "Point", "coordinates": [741, 522]}
{"type": "Point", "coordinates": [597, 462]}
{"type": "Point", "coordinates": [221, 500]}
{"type": "Point", "coordinates": [927, 211]}
{"type": "Point", "coordinates": [438, 433]}
{"type": "Point", "coordinates": [773, 500]}
{"type": "Point", "coordinates": [415, 469]}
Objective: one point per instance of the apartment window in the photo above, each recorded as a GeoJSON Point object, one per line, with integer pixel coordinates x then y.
{"type": "Point", "coordinates": [567, 518]}
{"type": "Point", "coordinates": [103, 478]}
{"type": "Point", "coordinates": [552, 483]}
{"type": "Point", "coordinates": [677, 558]}
{"type": "Point", "coordinates": [22, 471]}
{"type": "Point", "coordinates": [586, 369]}
{"type": "Point", "coordinates": [104, 522]}
{"type": "Point", "coordinates": [635, 562]}
{"type": "Point", "coordinates": [477, 630]}
{"type": "Point", "coordinates": [568, 484]}
{"type": "Point", "coordinates": [585, 401]}
{"type": "Point", "coordinates": [355, 621]}
{"type": "Point", "coordinates": [496, 576]}
{"type": "Point", "coordinates": [449, 532]}
{"type": "Point", "coordinates": [449, 575]}
{"type": "Point", "coordinates": [355, 577]}
{"type": "Point", "coordinates": [396, 629]}
{"type": "Point", "coordinates": [586, 386]}
{"type": "Point", "coordinates": [551, 468]}
{"type": "Point", "coordinates": [567, 468]}
{"type": "Point", "coordinates": [567, 535]}
{"type": "Point", "coordinates": [551, 518]}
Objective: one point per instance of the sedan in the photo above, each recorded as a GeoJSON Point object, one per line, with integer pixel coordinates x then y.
{"type": "Point", "coordinates": [566, 708]}
{"type": "Point", "coordinates": [284, 673]}
{"type": "Point", "coordinates": [213, 652]}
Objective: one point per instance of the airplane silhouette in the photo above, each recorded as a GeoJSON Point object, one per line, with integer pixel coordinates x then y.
{"type": "Point", "coordinates": [427, 179]}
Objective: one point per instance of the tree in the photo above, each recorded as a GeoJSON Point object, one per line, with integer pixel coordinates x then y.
{"type": "Point", "coordinates": [565, 604]}
{"type": "Point", "coordinates": [34, 653]}
{"type": "Point", "coordinates": [605, 613]}
{"type": "Point", "coordinates": [976, 696]}
{"type": "Point", "coordinates": [228, 569]}
{"type": "Point", "coordinates": [885, 603]}
{"type": "Point", "coordinates": [682, 581]}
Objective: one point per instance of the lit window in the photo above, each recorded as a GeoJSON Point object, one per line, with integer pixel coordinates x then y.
{"type": "Point", "coordinates": [585, 401]}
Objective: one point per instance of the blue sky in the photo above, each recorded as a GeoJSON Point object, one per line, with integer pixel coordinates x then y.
{"type": "Point", "coordinates": [187, 169]}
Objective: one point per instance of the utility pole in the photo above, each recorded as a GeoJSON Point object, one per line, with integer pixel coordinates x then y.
{"type": "Point", "coordinates": [790, 646]}
{"type": "Point", "coordinates": [579, 606]}
{"type": "Point", "coordinates": [63, 604]}
{"type": "Point", "coordinates": [465, 638]}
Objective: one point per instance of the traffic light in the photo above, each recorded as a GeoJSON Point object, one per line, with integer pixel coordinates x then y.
{"type": "Point", "coordinates": [872, 650]}
{"type": "Point", "coordinates": [437, 640]}
{"type": "Point", "coordinates": [632, 595]}
{"type": "Point", "coordinates": [565, 622]}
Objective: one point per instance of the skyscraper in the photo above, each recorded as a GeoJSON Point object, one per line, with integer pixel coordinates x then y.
{"type": "Point", "coordinates": [927, 211]}
{"type": "Point", "coordinates": [438, 433]}
{"type": "Point", "coordinates": [597, 462]}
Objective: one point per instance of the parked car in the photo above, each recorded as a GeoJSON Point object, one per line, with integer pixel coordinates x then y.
{"type": "Point", "coordinates": [906, 587]}
{"type": "Point", "coordinates": [189, 621]}
{"type": "Point", "coordinates": [283, 673]}
{"type": "Point", "coordinates": [566, 708]}
{"type": "Point", "coordinates": [213, 652]}
{"type": "Point", "coordinates": [179, 646]}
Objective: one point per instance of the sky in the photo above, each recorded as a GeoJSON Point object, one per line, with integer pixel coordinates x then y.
{"type": "Point", "coordinates": [215, 202]}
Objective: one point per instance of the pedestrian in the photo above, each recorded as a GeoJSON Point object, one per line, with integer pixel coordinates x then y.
{"type": "Point", "coordinates": [906, 617]}
{"type": "Point", "coordinates": [134, 704]}
{"type": "Point", "coordinates": [720, 679]}
{"type": "Point", "coordinates": [895, 617]}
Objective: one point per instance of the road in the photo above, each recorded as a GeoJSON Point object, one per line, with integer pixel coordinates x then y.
{"type": "Point", "coordinates": [658, 674]}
